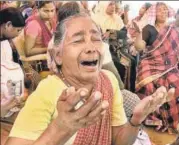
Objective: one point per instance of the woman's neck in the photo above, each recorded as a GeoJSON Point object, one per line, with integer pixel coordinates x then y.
{"type": "Point", "coordinates": [160, 26]}
{"type": "Point", "coordinates": [71, 81]}
{"type": "Point", "coordinates": [2, 37]}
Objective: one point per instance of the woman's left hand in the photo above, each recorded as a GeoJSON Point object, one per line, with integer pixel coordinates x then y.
{"type": "Point", "coordinates": [151, 103]}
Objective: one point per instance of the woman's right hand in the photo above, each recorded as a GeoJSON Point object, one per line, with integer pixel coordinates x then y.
{"type": "Point", "coordinates": [136, 26]}
{"type": "Point", "coordinates": [69, 117]}
{"type": "Point", "coordinates": [9, 104]}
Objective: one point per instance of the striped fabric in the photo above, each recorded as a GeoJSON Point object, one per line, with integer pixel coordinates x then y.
{"type": "Point", "coordinates": [162, 60]}
{"type": "Point", "coordinates": [99, 133]}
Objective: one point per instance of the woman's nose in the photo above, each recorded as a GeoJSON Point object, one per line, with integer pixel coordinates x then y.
{"type": "Point", "coordinates": [90, 48]}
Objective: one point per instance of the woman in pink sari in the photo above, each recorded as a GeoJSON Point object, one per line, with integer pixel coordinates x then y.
{"type": "Point", "coordinates": [38, 30]}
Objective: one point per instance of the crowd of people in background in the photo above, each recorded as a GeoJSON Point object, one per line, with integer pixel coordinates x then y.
{"type": "Point", "coordinates": [87, 76]}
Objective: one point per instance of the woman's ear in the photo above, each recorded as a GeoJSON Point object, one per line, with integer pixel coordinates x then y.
{"type": "Point", "coordinates": [8, 24]}
{"type": "Point", "coordinates": [58, 58]}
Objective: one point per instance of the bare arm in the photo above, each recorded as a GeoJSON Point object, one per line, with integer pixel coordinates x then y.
{"type": "Point", "coordinates": [124, 135]}
{"type": "Point", "coordinates": [139, 43]}
{"type": "Point", "coordinates": [30, 50]}
{"type": "Point", "coordinates": [68, 121]}
{"type": "Point", "coordinates": [126, 18]}
{"type": "Point", "coordinates": [52, 136]}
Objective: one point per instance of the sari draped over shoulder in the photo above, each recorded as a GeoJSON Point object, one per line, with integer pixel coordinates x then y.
{"type": "Point", "coordinates": [159, 67]}
{"type": "Point", "coordinates": [99, 133]}
{"type": "Point", "coordinates": [46, 33]}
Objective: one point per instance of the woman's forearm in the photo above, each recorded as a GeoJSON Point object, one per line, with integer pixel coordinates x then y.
{"type": "Point", "coordinates": [36, 51]}
{"type": "Point", "coordinates": [54, 135]}
{"type": "Point", "coordinates": [126, 136]}
{"type": "Point", "coordinates": [139, 43]}
{"type": "Point", "coordinates": [126, 18]}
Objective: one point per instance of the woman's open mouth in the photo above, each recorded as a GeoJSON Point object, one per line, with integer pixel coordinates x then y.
{"type": "Point", "coordinates": [90, 65]}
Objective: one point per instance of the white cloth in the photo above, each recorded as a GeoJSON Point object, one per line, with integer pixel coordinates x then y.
{"type": "Point", "coordinates": [6, 51]}
{"type": "Point", "coordinates": [12, 83]}
{"type": "Point", "coordinates": [142, 138]}
{"type": "Point", "coordinates": [12, 76]}
{"type": "Point", "coordinates": [107, 55]}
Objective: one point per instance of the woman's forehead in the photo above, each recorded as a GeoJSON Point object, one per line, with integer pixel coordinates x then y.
{"type": "Point", "coordinates": [162, 5]}
{"type": "Point", "coordinates": [81, 24]}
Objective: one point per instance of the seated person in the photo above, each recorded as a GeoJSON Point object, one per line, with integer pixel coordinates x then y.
{"type": "Point", "coordinates": [11, 24]}
{"type": "Point", "coordinates": [82, 104]}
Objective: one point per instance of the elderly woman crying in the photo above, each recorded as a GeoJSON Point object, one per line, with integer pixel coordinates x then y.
{"type": "Point", "coordinates": [83, 103]}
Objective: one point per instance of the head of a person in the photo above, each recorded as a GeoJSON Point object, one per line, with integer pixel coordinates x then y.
{"type": "Point", "coordinates": [11, 22]}
{"type": "Point", "coordinates": [78, 48]}
{"type": "Point", "coordinates": [30, 3]}
{"type": "Point", "coordinates": [46, 9]}
{"type": "Point", "coordinates": [177, 18]}
{"type": "Point", "coordinates": [144, 8]}
{"type": "Point", "coordinates": [68, 9]}
{"type": "Point", "coordinates": [85, 4]}
{"type": "Point", "coordinates": [111, 7]}
{"type": "Point", "coordinates": [162, 12]}
{"type": "Point", "coordinates": [117, 7]}
{"type": "Point", "coordinates": [106, 7]}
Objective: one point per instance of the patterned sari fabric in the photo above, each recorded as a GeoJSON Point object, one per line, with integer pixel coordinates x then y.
{"type": "Point", "coordinates": [159, 67]}
{"type": "Point", "coordinates": [99, 133]}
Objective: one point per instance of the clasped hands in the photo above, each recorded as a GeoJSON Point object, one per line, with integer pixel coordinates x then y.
{"type": "Point", "coordinates": [93, 108]}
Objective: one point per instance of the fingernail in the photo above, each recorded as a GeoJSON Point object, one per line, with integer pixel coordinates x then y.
{"type": "Point", "coordinates": [105, 104]}
{"type": "Point", "coordinates": [104, 112]}
{"type": "Point", "coordinates": [161, 95]}
{"type": "Point", "coordinates": [97, 96]}
{"type": "Point", "coordinates": [70, 90]}
{"type": "Point", "coordinates": [83, 93]}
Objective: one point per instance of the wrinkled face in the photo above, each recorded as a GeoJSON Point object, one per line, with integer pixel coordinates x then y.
{"type": "Point", "coordinates": [47, 12]}
{"type": "Point", "coordinates": [161, 13]}
{"type": "Point", "coordinates": [11, 31]}
{"type": "Point", "coordinates": [111, 8]}
{"type": "Point", "coordinates": [82, 49]}
{"type": "Point", "coordinates": [142, 10]}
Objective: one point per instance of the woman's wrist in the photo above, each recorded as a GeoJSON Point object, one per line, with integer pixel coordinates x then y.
{"type": "Point", "coordinates": [61, 127]}
{"type": "Point", "coordinates": [133, 121]}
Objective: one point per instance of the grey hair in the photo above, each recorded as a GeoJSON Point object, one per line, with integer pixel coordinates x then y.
{"type": "Point", "coordinates": [61, 28]}
{"type": "Point", "coordinates": [55, 47]}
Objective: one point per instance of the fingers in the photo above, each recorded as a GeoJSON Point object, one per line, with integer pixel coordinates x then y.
{"type": "Point", "coordinates": [63, 95]}
{"type": "Point", "coordinates": [160, 97]}
{"type": "Point", "coordinates": [171, 94]}
{"type": "Point", "coordinates": [11, 103]}
{"type": "Point", "coordinates": [85, 109]}
{"type": "Point", "coordinates": [76, 98]}
{"type": "Point", "coordinates": [71, 97]}
{"type": "Point", "coordinates": [163, 95]}
{"type": "Point", "coordinates": [97, 113]}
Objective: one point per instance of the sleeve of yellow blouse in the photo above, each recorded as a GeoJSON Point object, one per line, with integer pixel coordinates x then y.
{"type": "Point", "coordinates": [118, 113]}
{"type": "Point", "coordinates": [35, 116]}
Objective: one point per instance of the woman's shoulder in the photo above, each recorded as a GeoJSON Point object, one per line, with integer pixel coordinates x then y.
{"type": "Point", "coordinates": [33, 24]}
{"type": "Point", "coordinates": [111, 77]}
{"type": "Point", "coordinates": [148, 27]}
{"type": "Point", "coordinates": [51, 82]}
